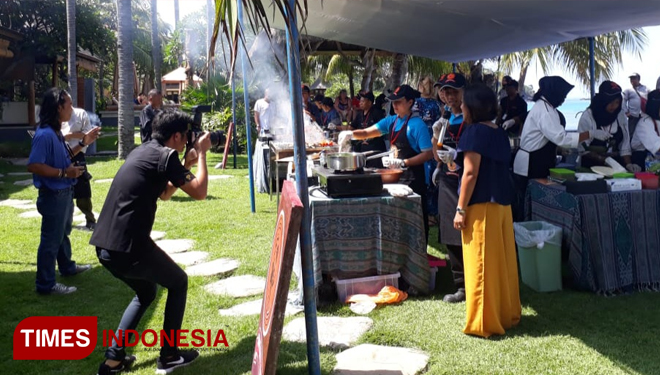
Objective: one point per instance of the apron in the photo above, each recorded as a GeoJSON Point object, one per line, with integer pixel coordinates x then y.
{"type": "Point", "coordinates": [602, 147]}
{"type": "Point", "coordinates": [448, 194]}
{"type": "Point", "coordinates": [413, 176]}
{"type": "Point", "coordinates": [82, 188]}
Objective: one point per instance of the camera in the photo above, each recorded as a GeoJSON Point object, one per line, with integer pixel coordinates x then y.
{"type": "Point", "coordinates": [446, 115]}
{"type": "Point", "coordinates": [85, 175]}
{"type": "Point", "coordinates": [217, 137]}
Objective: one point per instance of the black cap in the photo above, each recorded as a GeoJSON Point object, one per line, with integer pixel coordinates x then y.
{"type": "Point", "coordinates": [512, 83]}
{"type": "Point", "coordinates": [440, 81]}
{"type": "Point", "coordinates": [319, 98]}
{"type": "Point", "coordinates": [404, 91]}
{"type": "Point", "coordinates": [328, 101]}
{"type": "Point", "coordinates": [453, 80]}
{"type": "Point", "coordinates": [609, 88]}
{"type": "Point", "coordinates": [369, 96]}
{"type": "Point", "coordinates": [305, 88]}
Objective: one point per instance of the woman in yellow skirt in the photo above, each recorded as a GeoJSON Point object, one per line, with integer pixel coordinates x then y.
{"type": "Point", "coordinates": [484, 218]}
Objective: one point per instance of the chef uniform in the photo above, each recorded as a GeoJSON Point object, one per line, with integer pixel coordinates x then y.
{"type": "Point", "coordinates": [647, 132]}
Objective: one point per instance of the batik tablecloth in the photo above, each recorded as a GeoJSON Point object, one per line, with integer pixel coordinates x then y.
{"type": "Point", "coordinates": [613, 239]}
{"type": "Point", "coordinates": [358, 237]}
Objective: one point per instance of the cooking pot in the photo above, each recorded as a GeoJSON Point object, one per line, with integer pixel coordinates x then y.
{"type": "Point", "coordinates": [389, 175]}
{"type": "Point", "coordinates": [514, 142]}
{"type": "Point", "coordinates": [349, 161]}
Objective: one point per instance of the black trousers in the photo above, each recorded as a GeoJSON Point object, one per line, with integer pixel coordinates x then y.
{"type": "Point", "coordinates": [143, 274]}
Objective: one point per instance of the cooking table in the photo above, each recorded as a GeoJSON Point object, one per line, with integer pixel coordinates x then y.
{"type": "Point", "coordinates": [367, 236]}
{"type": "Point", "coordinates": [613, 239]}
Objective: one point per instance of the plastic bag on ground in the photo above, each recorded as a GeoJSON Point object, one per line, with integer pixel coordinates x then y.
{"type": "Point", "coordinates": [536, 234]}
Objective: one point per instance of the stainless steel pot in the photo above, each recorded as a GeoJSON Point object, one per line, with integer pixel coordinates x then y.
{"type": "Point", "coordinates": [345, 161]}
{"type": "Point", "coordinates": [514, 142]}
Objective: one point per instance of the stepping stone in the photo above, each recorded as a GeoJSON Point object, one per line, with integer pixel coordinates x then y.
{"type": "Point", "coordinates": [19, 174]}
{"type": "Point", "coordinates": [2, 175]}
{"type": "Point", "coordinates": [106, 153]}
{"type": "Point", "coordinates": [238, 286]}
{"type": "Point", "coordinates": [220, 266]}
{"type": "Point", "coordinates": [19, 161]}
{"type": "Point", "coordinates": [82, 227]}
{"type": "Point", "coordinates": [372, 359]}
{"type": "Point", "coordinates": [27, 206]}
{"type": "Point", "coordinates": [23, 182]}
{"type": "Point", "coordinates": [14, 202]}
{"type": "Point", "coordinates": [334, 332]}
{"type": "Point", "coordinates": [103, 181]}
{"type": "Point", "coordinates": [218, 177]}
{"type": "Point", "coordinates": [189, 257]}
{"type": "Point", "coordinates": [30, 214]}
{"type": "Point", "coordinates": [156, 235]}
{"type": "Point", "coordinates": [175, 246]}
{"type": "Point", "coordinates": [80, 218]}
{"type": "Point", "coordinates": [254, 308]}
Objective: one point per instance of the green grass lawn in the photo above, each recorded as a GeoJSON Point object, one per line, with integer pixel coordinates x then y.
{"type": "Point", "coordinates": [560, 333]}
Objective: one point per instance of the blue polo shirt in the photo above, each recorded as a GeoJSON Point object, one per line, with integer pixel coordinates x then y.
{"type": "Point", "coordinates": [417, 132]}
{"type": "Point", "coordinates": [49, 149]}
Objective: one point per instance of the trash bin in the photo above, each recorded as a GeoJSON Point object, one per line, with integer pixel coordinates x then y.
{"type": "Point", "coordinates": [539, 255]}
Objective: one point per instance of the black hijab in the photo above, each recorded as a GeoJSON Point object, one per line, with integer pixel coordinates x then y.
{"type": "Point", "coordinates": [608, 92]}
{"type": "Point", "coordinates": [554, 89]}
{"type": "Point", "coordinates": [653, 105]}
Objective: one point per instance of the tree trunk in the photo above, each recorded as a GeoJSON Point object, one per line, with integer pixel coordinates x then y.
{"type": "Point", "coordinates": [156, 50]}
{"type": "Point", "coordinates": [399, 70]}
{"type": "Point", "coordinates": [72, 49]}
{"type": "Point", "coordinates": [209, 33]}
{"type": "Point", "coordinates": [368, 64]}
{"type": "Point", "coordinates": [125, 115]}
{"type": "Point", "coordinates": [521, 80]}
{"type": "Point", "coordinates": [351, 86]}
{"type": "Point", "coordinates": [176, 24]}
{"type": "Point", "coordinates": [101, 82]}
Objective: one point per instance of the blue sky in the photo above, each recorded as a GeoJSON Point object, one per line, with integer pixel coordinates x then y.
{"type": "Point", "coordinates": [648, 66]}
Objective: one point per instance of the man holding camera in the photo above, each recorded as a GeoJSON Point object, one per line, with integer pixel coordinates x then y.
{"type": "Point", "coordinates": [74, 130]}
{"type": "Point", "coordinates": [122, 238]}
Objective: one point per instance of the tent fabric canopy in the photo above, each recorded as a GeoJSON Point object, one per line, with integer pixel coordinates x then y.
{"type": "Point", "coordinates": [179, 75]}
{"type": "Point", "coordinates": [458, 31]}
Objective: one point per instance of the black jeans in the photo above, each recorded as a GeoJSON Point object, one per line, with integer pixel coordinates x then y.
{"type": "Point", "coordinates": [143, 274]}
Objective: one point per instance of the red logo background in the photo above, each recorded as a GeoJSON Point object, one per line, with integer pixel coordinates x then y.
{"type": "Point", "coordinates": [51, 323]}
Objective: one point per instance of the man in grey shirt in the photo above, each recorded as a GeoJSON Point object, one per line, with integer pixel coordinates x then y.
{"type": "Point", "coordinates": [632, 99]}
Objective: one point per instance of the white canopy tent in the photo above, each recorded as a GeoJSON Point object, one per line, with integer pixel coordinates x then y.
{"type": "Point", "coordinates": [458, 31]}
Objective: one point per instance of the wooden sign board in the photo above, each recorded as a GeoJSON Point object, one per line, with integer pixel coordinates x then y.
{"type": "Point", "coordinates": [229, 134]}
{"type": "Point", "coordinates": [271, 321]}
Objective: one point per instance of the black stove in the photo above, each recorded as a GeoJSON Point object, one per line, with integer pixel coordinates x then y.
{"type": "Point", "coordinates": [338, 184]}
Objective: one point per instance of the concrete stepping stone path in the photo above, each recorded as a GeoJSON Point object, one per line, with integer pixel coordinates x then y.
{"type": "Point", "coordinates": [157, 235]}
{"type": "Point", "coordinates": [175, 246]}
{"type": "Point", "coordinates": [215, 267]}
{"type": "Point", "coordinates": [103, 181]}
{"type": "Point", "coordinates": [19, 161]}
{"type": "Point", "coordinates": [218, 177]}
{"type": "Point", "coordinates": [23, 182]}
{"type": "Point", "coordinates": [2, 175]}
{"type": "Point", "coordinates": [29, 214]}
{"type": "Point", "coordinates": [334, 332]}
{"type": "Point", "coordinates": [189, 258]}
{"type": "Point", "coordinates": [27, 206]}
{"type": "Point", "coordinates": [14, 202]}
{"type": "Point", "coordinates": [238, 286]}
{"type": "Point", "coordinates": [369, 359]}
{"type": "Point", "coordinates": [19, 174]}
{"type": "Point", "coordinates": [254, 308]}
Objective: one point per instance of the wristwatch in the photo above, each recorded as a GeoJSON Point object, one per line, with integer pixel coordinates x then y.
{"type": "Point", "coordinates": [403, 163]}
{"type": "Point", "coordinates": [81, 143]}
{"type": "Point", "coordinates": [460, 211]}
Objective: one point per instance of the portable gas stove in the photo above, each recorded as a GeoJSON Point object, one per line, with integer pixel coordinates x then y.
{"type": "Point", "coordinates": [358, 183]}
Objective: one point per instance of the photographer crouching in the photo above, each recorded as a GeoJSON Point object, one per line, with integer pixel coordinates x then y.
{"type": "Point", "coordinates": [122, 236]}
{"type": "Point", "coordinates": [74, 130]}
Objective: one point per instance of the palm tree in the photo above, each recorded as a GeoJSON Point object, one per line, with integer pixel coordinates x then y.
{"type": "Point", "coordinates": [156, 46]}
{"type": "Point", "coordinates": [72, 48]}
{"type": "Point", "coordinates": [176, 25]}
{"type": "Point", "coordinates": [126, 81]}
{"type": "Point", "coordinates": [574, 56]}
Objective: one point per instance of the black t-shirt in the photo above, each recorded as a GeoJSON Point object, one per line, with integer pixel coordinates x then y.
{"type": "Point", "coordinates": [514, 108]}
{"type": "Point", "coordinates": [129, 210]}
{"type": "Point", "coordinates": [146, 118]}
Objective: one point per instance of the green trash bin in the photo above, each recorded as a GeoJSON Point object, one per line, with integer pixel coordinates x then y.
{"type": "Point", "coordinates": [539, 255]}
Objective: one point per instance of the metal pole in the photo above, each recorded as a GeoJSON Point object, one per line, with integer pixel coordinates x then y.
{"type": "Point", "coordinates": [592, 67]}
{"type": "Point", "coordinates": [453, 67]}
{"type": "Point", "coordinates": [300, 158]}
{"type": "Point", "coordinates": [233, 114]}
{"type": "Point", "coordinates": [248, 132]}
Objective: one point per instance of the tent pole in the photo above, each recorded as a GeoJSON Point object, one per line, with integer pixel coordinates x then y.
{"type": "Point", "coordinates": [592, 67]}
{"type": "Point", "coordinates": [300, 158]}
{"type": "Point", "coordinates": [248, 132]}
{"type": "Point", "coordinates": [453, 67]}
{"type": "Point", "coordinates": [233, 115]}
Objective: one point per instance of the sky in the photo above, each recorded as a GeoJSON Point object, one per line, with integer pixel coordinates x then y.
{"type": "Point", "coordinates": [648, 66]}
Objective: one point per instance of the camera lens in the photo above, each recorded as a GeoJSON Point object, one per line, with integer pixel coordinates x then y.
{"type": "Point", "coordinates": [217, 138]}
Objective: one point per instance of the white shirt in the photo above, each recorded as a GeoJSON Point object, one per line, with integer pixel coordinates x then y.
{"type": "Point", "coordinates": [261, 107]}
{"type": "Point", "coordinates": [646, 137]}
{"type": "Point", "coordinates": [588, 123]}
{"type": "Point", "coordinates": [79, 122]}
{"type": "Point", "coordinates": [632, 102]}
{"type": "Point", "coordinates": [542, 125]}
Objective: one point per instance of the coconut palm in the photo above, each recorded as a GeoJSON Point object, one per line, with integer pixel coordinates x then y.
{"type": "Point", "coordinates": [156, 51]}
{"type": "Point", "coordinates": [176, 24]}
{"type": "Point", "coordinates": [574, 56]}
{"type": "Point", "coordinates": [126, 81]}
{"type": "Point", "coordinates": [72, 48]}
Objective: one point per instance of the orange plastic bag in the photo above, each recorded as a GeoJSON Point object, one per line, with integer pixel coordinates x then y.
{"type": "Point", "coordinates": [387, 295]}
